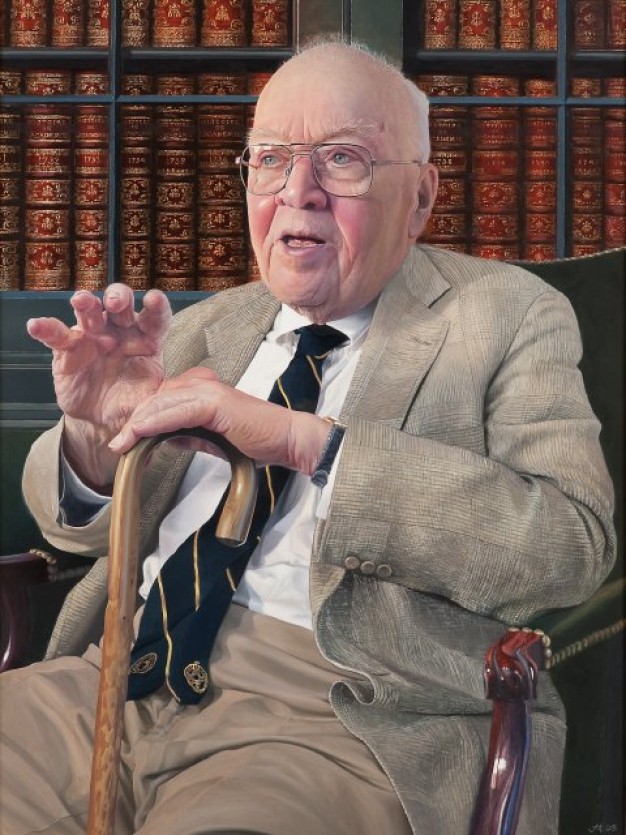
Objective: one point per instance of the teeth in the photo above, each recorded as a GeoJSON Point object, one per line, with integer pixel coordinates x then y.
{"type": "Point", "coordinates": [300, 242]}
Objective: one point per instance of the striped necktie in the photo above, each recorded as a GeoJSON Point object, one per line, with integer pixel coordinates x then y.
{"type": "Point", "coordinates": [189, 598]}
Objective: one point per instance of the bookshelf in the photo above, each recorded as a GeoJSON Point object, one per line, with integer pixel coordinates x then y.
{"type": "Point", "coordinates": [395, 28]}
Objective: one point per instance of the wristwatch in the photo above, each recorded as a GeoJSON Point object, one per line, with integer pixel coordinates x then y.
{"type": "Point", "coordinates": [329, 452]}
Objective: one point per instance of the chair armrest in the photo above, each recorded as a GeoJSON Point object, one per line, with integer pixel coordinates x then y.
{"type": "Point", "coordinates": [33, 585]}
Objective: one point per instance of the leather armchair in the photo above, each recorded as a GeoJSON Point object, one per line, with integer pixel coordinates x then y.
{"type": "Point", "coordinates": [584, 645]}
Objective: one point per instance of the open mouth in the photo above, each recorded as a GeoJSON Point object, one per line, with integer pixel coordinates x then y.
{"type": "Point", "coordinates": [301, 241]}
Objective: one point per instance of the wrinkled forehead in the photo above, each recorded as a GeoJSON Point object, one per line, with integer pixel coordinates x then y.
{"type": "Point", "coordinates": [308, 101]}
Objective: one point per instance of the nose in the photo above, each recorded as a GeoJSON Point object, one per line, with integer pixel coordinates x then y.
{"type": "Point", "coordinates": [302, 191]}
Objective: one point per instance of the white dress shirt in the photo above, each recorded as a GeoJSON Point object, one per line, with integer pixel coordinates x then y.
{"type": "Point", "coordinates": [276, 579]}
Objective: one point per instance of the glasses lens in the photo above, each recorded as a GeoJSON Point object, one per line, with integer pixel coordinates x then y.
{"type": "Point", "coordinates": [343, 170]}
{"type": "Point", "coordinates": [264, 168]}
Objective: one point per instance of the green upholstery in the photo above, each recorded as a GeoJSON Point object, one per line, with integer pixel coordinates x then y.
{"type": "Point", "coordinates": [588, 640]}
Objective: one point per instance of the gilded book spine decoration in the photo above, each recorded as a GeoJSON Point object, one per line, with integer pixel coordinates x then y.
{"type": "Point", "coordinates": [176, 167]}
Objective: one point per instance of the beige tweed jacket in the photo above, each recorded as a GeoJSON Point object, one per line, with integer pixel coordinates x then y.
{"type": "Point", "coordinates": [471, 492]}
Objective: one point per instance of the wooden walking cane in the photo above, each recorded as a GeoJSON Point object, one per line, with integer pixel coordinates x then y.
{"type": "Point", "coordinates": [232, 529]}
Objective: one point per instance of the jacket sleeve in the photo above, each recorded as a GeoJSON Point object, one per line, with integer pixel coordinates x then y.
{"type": "Point", "coordinates": [525, 527]}
{"type": "Point", "coordinates": [41, 489]}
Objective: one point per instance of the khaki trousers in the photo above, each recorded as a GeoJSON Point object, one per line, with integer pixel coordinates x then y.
{"type": "Point", "coordinates": [262, 753]}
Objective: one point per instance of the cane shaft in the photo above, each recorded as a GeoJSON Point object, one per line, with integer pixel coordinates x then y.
{"type": "Point", "coordinates": [232, 528]}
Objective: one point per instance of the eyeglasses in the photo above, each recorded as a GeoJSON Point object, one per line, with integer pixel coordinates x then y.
{"type": "Point", "coordinates": [340, 169]}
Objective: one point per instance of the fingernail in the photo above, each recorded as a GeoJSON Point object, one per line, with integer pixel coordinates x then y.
{"type": "Point", "coordinates": [115, 443]}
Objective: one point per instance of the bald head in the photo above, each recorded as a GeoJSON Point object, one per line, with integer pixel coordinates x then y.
{"type": "Point", "coordinates": [395, 106]}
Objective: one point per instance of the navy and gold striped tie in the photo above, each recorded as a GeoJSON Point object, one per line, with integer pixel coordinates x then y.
{"type": "Point", "coordinates": [193, 591]}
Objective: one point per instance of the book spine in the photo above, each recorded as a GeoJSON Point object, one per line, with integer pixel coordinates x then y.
{"type": "Point", "coordinates": [174, 23]}
{"type": "Point", "coordinates": [10, 198]}
{"type": "Point", "coordinates": [47, 194]}
{"type": "Point", "coordinates": [270, 23]}
{"type": "Point", "coordinates": [539, 178]}
{"type": "Point", "coordinates": [616, 24]}
{"type": "Point", "coordinates": [136, 196]}
{"type": "Point", "coordinates": [440, 25]}
{"type": "Point", "coordinates": [614, 177]}
{"type": "Point", "coordinates": [586, 139]}
{"type": "Point", "coordinates": [98, 22]}
{"type": "Point", "coordinates": [224, 23]}
{"type": "Point", "coordinates": [222, 251]}
{"type": "Point", "coordinates": [135, 22]}
{"type": "Point", "coordinates": [495, 222]}
{"type": "Point", "coordinates": [68, 24]}
{"type": "Point", "coordinates": [514, 19]}
{"type": "Point", "coordinates": [29, 23]}
{"type": "Point", "coordinates": [90, 203]}
{"type": "Point", "coordinates": [176, 167]}
{"type": "Point", "coordinates": [477, 24]}
{"type": "Point", "coordinates": [545, 32]}
{"type": "Point", "coordinates": [447, 226]}
{"type": "Point", "coordinates": [10, 82]}
{"type": "Point", "coordinates": [589, 24]}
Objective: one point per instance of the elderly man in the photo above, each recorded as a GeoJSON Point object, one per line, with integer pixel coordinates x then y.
{"type": "Point", "coordinates": [340, 690]}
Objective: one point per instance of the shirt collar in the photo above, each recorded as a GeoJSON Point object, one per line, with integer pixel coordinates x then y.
{"type": "Point", "coordinates": [355, 326]}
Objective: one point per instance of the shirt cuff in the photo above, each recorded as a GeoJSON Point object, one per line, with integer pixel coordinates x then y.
{"type": "Point", "coordinates": [79, 505]}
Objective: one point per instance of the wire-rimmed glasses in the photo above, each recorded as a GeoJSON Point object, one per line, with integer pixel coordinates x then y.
{"type": "Point", "coordinates": [341, 169]}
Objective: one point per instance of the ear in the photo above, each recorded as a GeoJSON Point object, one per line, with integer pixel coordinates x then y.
{"type": "Point", "coordinates": [427, 191]}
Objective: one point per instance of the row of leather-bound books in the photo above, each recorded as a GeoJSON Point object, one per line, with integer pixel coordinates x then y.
{"type": "Point", "coordinates": [498, 169]}
{"type": "Point", "coordinates": [181, 215]}
{"type": "Point", "coordinates": [181, 212]}
{"type": "Point", "coordinates": [159, 23]}
{"type": "Point", "coordinates": [521, 24]}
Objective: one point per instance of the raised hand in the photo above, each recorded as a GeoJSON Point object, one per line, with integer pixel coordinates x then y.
{"type": "Point", "coordinates": [103, 368]}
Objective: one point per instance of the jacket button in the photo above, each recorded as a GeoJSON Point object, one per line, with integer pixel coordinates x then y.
{"type": "Point", "coordinates": [351, 562]}
{"type": "Point", "coordinates": [368, 567]}
{"type": "Point", "coordinates": [383, 571]}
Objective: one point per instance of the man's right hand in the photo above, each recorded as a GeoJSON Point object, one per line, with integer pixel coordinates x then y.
{"type": "Point", "coordinates": [104, 366]}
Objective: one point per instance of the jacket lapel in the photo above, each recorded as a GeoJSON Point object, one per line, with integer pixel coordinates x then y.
{"type": "Point", "coordinates": [404, 339]}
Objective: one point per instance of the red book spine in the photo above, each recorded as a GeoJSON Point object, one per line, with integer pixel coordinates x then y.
{"type": "Point", "coordinates": [477, 24]}
{"type": "Point", "coordinates": [68, 25]}
{"type": "Point", "coordinates": [270, 23]}
{"type": "Point", "coordinates": [614, 177]}
{"type": "Point", "coordinates": [222, 251]}
{"type": "Point", "coordinates": [495, 222]}
{"type": "Point", "coordinates": [440, 29]}
{"type": "Point", "coordinates": [176, 168]}
{"type": "Point", "coordinates": [174, 23]}
{"type": "Point", "coordinates": [447, 226]}
{"type": "Point", "coordinates": [515, 24]}
{"type": "Point", "coordinates": [98, 22]}
{"type": "Point", "coordinates": [135, 22]}
{"type": "Point", "coordinates": [545, 32]}
{"type": "Point", "coordinates": [10, 198]}
{"type": "Point", "coordinates": [589, 24]}
{"type": "Point", "coordinates": [586, 140]}
{"type": "Point", "coordinates": [29, 23]}
{"type": "Point", "coordinates": [616, 24]}
{"type": "Point", "coordinates": [136, 195]}
{"type": "Point", "coordinates": [224, 23]}
{"type": "Point", "coordinates": [539, 177]}
{"type": "Point", "coordinates": [90, 203]}
{"type": "Point", "coordinates": [47, 196]}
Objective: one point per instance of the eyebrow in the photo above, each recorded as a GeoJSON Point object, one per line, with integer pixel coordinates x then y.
{"type": "Point", "coordinates": [360, 127]}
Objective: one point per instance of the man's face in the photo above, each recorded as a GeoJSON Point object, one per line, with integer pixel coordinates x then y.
{"type": "Point", "coordinates": [324, 255]}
